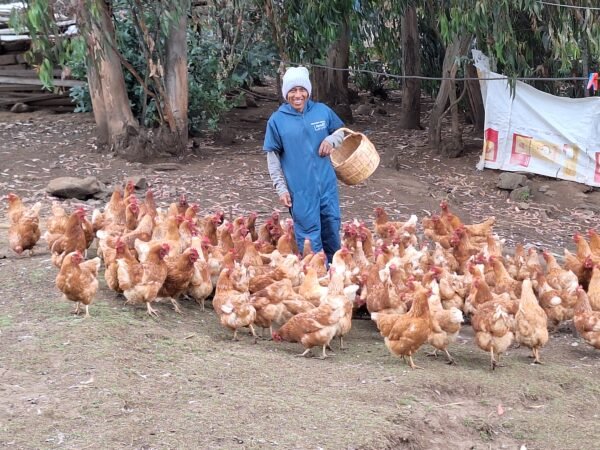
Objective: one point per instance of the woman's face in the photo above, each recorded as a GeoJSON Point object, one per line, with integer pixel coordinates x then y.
{"type": "Point", "coordinates": [297, 97]}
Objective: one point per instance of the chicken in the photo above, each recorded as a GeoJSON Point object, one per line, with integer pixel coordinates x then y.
{"type": "Point", "coordinates": [493, 327]}
{"type": "Point", "coordinates": [142, 281]}
{"type": "Point", "coordinates": [121, 251]}
{"type": "Point", "coordinates": [593, 291]}
{"type": "Point", "coordinates": [557, 310]}
{"type": "Point", "coordinates": [24, 231]}
{"type": "Point", "coordinates": [452, 222]}
{"type": "Point", "coordinates": [337, 298]}
{"type": "Point", "coordinates": [405, 333]}
{"type": "Point", "coordinates": [310, 289]}
{"type": "Point", "coordinates": [594, 242]}
{"type": "Point", "coordinates": [557, 277]}
{"type": "Point", "coordinates": [587, 322]}
{"type": "Point", "coordinates": [15, 207]}
{"type": "Point", "coordinates": [73, 239]}
{"type": "Point", "coordinates": [446, 323]}
{"type": "Point", "coordinates": [57, 221]}
{"type": "Point", "coordinates": [503, 281]}
{"type": "Point", "coordinates": [531, 322]}
{"type": "Point", "coordinates": [386, 229]}
{"type": "Point", "coordinates": [277, 303]}
{"type": "Point", "coordinates": [180, 271]}
{"type": "Point", "coordinates": [232, 302]}
{"type": "Point", "coordinates": [77, 280]}
{"type": "Point", "coordinates": [316, 327]}
{"type": "Point", "coordinates": [251, 225]}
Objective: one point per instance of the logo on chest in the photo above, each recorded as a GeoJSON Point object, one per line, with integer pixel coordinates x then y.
{"type": "Point", "coordinates": [319, 125]}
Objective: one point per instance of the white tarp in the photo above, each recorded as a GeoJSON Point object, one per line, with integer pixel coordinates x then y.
{"type": "Point", "coordinates": [536, 132]}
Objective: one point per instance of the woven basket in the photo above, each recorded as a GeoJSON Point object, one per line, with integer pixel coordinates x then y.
{"type": "Point", "coordinates": [356, 159]}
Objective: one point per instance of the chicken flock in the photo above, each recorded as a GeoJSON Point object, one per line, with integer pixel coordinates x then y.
{"type": "Point", "coordinates": [417, 288]}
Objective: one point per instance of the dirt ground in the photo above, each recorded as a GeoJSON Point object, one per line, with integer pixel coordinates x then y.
{"type": "Point", "coordinates": [123, 380]}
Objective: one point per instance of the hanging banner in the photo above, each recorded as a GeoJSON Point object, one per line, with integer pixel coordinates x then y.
{"type": "Point", "coordinates": [532, 131]}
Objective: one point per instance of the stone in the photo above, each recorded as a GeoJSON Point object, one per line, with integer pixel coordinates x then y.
{"type": "Point", "coordinates": [551, 193]}
{"type": "Point", "coordinates": [521, 194]}
{"type": "Point", "coordinates": [381, 111]}
{"type": "Point", "coordinates": [20, 108]}
{"type": "Point", "coordinates": [139, 181]}
{"type": "Point", "coordinates": [523, 205]}
{"type": "Point", "coordinates": [364, 110]}
{"type": "Point", "coordinates": [72, 187]}
{"type": "Point", "coordinates": [544, 188]}
{"type": "Point", "coordinates": [165, 167]}
{"type": "Point", "coordinates": [251, 101]}
{"type": "Point", "coordinates": [510, 181]}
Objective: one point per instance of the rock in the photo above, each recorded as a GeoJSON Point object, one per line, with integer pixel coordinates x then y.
{"type": "Point", "coordinates": [251, 102]}
{"type": "Point", "coordinates": [544, 188]}
{"type": "Point", "coordinates": [510, 181]}
{"type": "Point", "coordinates": [225, 136]}
{"type": "Point", "coordinates": [139, 181]}
{"type": "Point", "coordinates": [580, 195]}
{"type": "Point", "coordinates": [551, 193]}
{"type": "Point", "coordinates": [521, 194]}
{"type": "Point", "coordinates": [364, 110]}
{"type": "Point", "coordinates": [381, 111]}
{"type": "Point", "coordinates": [165, 167]}
{"type": "Point", "coordinates": [523, 205]}
{"type": "Point", "coordinates": [20, 108]}
{"type": "Point", "coordinates": [71, 187]}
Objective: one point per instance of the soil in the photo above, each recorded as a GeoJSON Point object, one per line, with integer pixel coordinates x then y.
{"type": "Point", "coordinates": [121, 379]}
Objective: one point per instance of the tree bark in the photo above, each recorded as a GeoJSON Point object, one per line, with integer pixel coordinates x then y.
{"type": "Point", "coordinates": [475, 99]}
{"type": "Point", "coordinates": [410, 113]}
{"type": "Point", "coordinates": [176, 77]}
{"type": "Point", "coordinates": [112, 112]}
{"type": "Point", "coordinates": [331, 86]}
{"type": "Point", "coordinates": [457, 48]}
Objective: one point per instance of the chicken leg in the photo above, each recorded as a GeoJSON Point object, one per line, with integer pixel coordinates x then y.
{"type": "Point", "coordinates": [87, 311]}
{"type": "Point", "coordinates": [175, 304]}
{"type": "Point", "coordinates": [536, 355]}
{"type": "Point", "coordinates": [324, 355]}
{"type": "Point", "coordinates": [412, 363]}
{"type": "Point", "coordinates": [303, 353]}
{"type": "Point", "coordinates": [151, 311]}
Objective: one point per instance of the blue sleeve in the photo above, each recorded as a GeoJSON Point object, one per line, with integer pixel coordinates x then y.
{"type": "Point", "coordinates": [272, 138]}
{"type": "Point", "coordinates": [334, 121]}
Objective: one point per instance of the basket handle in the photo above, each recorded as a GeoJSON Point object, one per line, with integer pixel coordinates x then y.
{"type": "Point", "coordinates": [349, 131]}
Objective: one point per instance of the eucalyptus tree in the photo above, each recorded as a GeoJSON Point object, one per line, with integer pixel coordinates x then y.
{"type": "Point", "coordinates": [317, 33]}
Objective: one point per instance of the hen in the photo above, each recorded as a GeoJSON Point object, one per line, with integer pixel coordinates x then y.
{"type": "Point", "coordinates": [77, 280]}
{"type": "Point", "coordinates": [531, 322]}
{"type": "Point", "coordinates": [24, 231]}
{"type": "Point", "coordinates": [493, 327]}
{"type": "Point", "coordinates": [587, 322]}
{"type": "Point", "coordinates": [142, 281]}
{"type": "Point", "coordinates": [405, 333]}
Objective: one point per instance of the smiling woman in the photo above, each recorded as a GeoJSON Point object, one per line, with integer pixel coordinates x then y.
{"type": "Point", "coordinates": [300, 136]}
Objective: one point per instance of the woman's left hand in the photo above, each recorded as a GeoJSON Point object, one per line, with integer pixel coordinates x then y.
{"type": "Point", "coordinates": [325, 148]}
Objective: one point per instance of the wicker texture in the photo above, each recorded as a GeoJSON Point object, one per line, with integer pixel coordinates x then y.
{"type": "Point", "coordinates": [356, 159]}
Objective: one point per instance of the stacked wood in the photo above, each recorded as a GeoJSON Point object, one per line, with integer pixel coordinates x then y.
{"type": "Point", "coordinates": [20, 87]}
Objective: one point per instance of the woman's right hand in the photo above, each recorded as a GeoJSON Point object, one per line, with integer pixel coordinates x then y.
{"type": "Point", "coordinates": [286, 200]}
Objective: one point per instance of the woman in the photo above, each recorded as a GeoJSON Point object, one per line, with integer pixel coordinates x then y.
{"type": "Point", "coordinates": [299, 138]}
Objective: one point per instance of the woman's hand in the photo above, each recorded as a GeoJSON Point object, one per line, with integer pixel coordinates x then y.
{"type": "Point", "coordinates": [325, 148]}
{"type": "Point", "coordinates": [286, 200]}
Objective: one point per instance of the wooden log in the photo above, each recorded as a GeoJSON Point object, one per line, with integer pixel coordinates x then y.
{"type": "Point", "coordinates": [14, 46]}
{"type": "Point", "coordinates": [55, 101]}
{"type": "Point", "coordinates": [12, 67]}
{"type": "Point", "coordinates": [37, 82]}
{"type": "Point", "coordinates": [8, 71]}
{"type": "Point", "coordinates": [36, 99]}
{"type": "Point", "coordinates": [6, 60]}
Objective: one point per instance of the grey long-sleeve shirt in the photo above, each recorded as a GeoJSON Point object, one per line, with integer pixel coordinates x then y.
{"type": "Point", "coordinates": [274, 164]}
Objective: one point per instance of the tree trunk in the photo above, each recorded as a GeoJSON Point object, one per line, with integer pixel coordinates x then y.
{"type": "Point", "coordinates": [475, 99]}
{"type": "Point", "coordinates": [176, 78]}
{"type": "Point", "coordinates": [457, 49]}
{"type": "Point", "coordinates": [331, 86]}
{"type": "Point", "coordinates": [410, 113]}
{"type": "Point", "coordinates": [112, 112]}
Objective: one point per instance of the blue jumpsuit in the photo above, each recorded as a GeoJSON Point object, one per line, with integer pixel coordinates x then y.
{"type": "Point", "coordinates": [310, 178]}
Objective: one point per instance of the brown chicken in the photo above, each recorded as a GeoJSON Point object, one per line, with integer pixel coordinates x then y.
{"type": "Point", "coordinates": [557, 277]}
{"type": "Point", "coordinates": [531, 322]}
{"type": "Point", "coordinates": [277, 303]}
{"type": "Point", "coordinates": [557, 310]}
{"type": "Point", "coordinates": [142, 281]}
{"type": "Point", "coordinates": [337, 299]}
{"type": "Point", "coordinates": [446, 324]}
{"type": "Point", "coordinates": [232, 302]}
{"type": "Point", "coordinates": [77, 280]}
{"type": "Point", "coordinates": [405, 333]}
{"type": "Point", "coordinates": [201, 285]}
{"type": "Point", "coordinates": [73, 239]}
{"type": "Point", "coordinates": [587, 322]}
{"type": "Point", "coordinates": [314, 328]}
{"type": "Point", "coordinates": [111, 256]}
{"type": "Point", "coordinates": [493, 326]}
{"type": "Point", "coordinates": [57, 221]}
{"type": "Point", "coordinates": [310, 289]}
{"type": "Point", "coordinates": [593, 291]}
{"type": "Point", "coordinates": [24, 231]}
{"type": "Point", "coordinates": [180, 271]}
